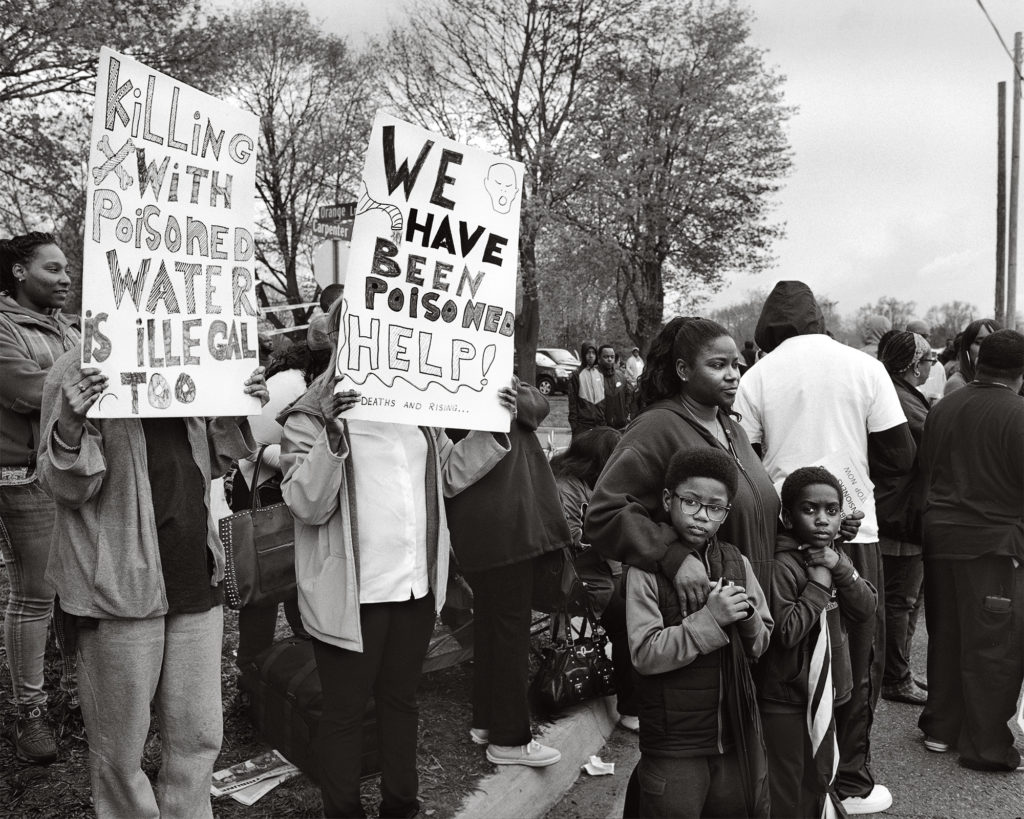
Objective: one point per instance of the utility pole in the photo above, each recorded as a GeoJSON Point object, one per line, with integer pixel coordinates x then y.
{"type": "Point", "coordinates": [1000, 313]}
{"type": "Point", "coordinates": [1011, 268]}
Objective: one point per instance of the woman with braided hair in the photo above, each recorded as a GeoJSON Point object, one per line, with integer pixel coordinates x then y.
{"type": "Point", "coordinates": [908, 359]}
{"type": "Point", "coordinates": [34, 286]}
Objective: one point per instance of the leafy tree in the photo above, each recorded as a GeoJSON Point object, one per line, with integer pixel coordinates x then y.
{"type": "Point", "coordinates": [512, 73]}
{"type": "Point", "coordinates": [898, 312]}
{"type": "Point", "coordinates": [49, 53]}
{"type": "Point", "coordinates": [577, 298]}
{"type": "Point", "coordinates": [311, 94]}
{"type": "Point", "coordinates": [685, 147]}
{"type": "Point", "coordinates": [948, 319]}
{"type": "Point", "coordinates": [740, 319]}
{"type": "Point", "coordinates": [52, 46]}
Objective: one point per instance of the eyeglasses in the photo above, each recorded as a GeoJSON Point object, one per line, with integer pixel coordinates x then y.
{"type": "Point", "coordinates": [692, 506]}
{"type": "Point", "coordinates": [929, 360]}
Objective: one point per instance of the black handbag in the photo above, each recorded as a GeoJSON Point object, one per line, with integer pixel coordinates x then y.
{"type": "Point", "coordinates": [259, 552]}
{"type": "Point", "coordinates": [576, 667]}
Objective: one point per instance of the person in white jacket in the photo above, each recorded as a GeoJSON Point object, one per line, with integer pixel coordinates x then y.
{"type": "Point", "coordinates": [371, 566]}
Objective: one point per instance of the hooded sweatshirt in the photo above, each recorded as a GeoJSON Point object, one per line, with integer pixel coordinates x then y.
{"type": "Point", "coordinates": [29, 344]}
{"type": "Point", "coordinates": [586, 393]}
{"type": "Point", "coordinates": [812, 400]}
{"type": "Point", "coordinates": [797, 603]}
{"type": "Point", "coordinates": [874, 328]}
{"type": "Point", "coordinates": [626, 520]}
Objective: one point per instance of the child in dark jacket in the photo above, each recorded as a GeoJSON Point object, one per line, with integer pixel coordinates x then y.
{"type": "Point", "coordinates": [689, 765]}
{"type": "Point", "coordinates": [814, 583]}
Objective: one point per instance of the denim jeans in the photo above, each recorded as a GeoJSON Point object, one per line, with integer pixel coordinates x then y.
{"type": "Point", "coordinates": [26, 525]}
{"type": "Point", "coordinates": [691, 787]}
{"type": "Point", "coordinates": [172, 663]}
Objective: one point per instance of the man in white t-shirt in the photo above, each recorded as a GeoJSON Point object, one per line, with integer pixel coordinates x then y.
{"type": "Point", "coordinates": [812, 401]}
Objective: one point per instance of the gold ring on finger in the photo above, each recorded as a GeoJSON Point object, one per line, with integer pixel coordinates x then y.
{"type": "Point", "coordinates": [81, 387]}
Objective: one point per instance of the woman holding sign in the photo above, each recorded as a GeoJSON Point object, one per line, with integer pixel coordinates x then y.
{"type": "Point", "coordinates": [33, 333]}
{"type": "Point", "coordinates": [137, 563]}
{"type": "Point", "coordinates": [371, 564]}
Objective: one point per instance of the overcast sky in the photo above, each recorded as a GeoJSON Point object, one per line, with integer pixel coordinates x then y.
{"type": "Point", "coordinates": [893, 187]}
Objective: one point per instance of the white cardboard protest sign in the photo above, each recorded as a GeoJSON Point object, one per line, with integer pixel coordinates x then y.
{"type": "Point", "coordinates": [428, 318]}
{"type": "Point", "coordinates": [168, 280]}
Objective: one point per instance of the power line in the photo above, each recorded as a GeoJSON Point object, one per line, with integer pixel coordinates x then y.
{"type": "Point", "coordinates": [1001, 40]}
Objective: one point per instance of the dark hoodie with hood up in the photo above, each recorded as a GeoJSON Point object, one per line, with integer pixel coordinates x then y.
{"type": "Point", "coordinates": [583, 414]}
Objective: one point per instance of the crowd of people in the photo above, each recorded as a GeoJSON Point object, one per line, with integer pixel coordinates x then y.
{"type": "Point", "coordinates": [758, 550]}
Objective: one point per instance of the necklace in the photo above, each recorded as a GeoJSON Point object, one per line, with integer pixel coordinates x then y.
{"type": "Point", "coordinates": [714, 426]}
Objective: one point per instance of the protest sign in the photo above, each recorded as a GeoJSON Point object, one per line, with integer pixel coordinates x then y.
{"type": "Point", "coordinates": [168, 286]}
{"type": "Point", "coordinates": [429, 311]}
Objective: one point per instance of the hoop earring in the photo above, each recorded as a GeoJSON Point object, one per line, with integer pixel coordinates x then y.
{"type": "Point", "coordinates": [917, 371]}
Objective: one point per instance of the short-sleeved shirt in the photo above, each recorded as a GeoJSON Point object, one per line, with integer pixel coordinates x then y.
{"type": "Point", "coordinates": [179, 507]}
{"type": "Point", "coordinates": [813, 397]}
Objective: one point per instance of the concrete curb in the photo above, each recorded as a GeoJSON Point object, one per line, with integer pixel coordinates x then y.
{"type": "Point", "coordinates": [518, 792]}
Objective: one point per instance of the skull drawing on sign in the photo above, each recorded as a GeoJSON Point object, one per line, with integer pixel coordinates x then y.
{"type": "Point", "coordinates": [500, 185]}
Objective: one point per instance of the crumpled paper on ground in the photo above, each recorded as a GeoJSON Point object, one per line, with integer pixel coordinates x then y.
{"type": "Point", "coordinates": [598, 767]}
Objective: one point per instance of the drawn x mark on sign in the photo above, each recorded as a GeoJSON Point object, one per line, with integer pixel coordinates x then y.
{"type": "Point", "coordinates": [113, 163]}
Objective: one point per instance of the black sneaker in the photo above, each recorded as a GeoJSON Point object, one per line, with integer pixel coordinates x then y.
{"type": "Point", "coordinates": [32, 736]}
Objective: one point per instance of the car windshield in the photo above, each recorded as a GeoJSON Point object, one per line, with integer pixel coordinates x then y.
{"type": "Point", "coordinates": [544, 360]}
{"type": "Point", "coordinates": [561, 356]}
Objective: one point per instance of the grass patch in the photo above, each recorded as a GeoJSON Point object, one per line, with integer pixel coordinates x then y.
{"type": "Point", "coordinates": [449, 764]}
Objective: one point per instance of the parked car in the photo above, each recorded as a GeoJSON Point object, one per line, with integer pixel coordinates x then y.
{"type": "Point", "coordinates": [551, 377]}
{"type": "Point", "coordinates": [563, 358]}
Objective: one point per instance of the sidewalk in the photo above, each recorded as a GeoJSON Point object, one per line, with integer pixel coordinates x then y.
{"type": "Point", "coordinates": [518, 792]}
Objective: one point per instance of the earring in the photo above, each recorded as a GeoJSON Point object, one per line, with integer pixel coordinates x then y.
{"type": "Point", "coordinates": [917, 370]}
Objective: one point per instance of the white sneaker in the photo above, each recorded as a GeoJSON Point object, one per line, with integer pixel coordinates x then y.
{"type": "Point", "coordinates": [630, 722]}
{"type": "Point", "coordinates": [480, 736]}
{"type": "Point", "coordinates": [875, 802]}
{"type": "Point", "coordinates": [936, 746]}
{"type": "Point", "coordinates": [533, 755]}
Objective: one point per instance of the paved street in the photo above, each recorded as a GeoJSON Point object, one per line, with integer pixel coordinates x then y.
{"type": "Point", "coordinates": [923, 784]}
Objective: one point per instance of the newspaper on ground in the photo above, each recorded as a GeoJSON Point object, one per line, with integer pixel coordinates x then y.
{"type": "Point", "coordinates": [265, 766]}
{"type": "Point", "coordinates": [254, 793]}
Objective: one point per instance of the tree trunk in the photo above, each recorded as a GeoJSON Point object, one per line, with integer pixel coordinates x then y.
{"type": "Point", "coordinates": [528, 320]}
{"type": "Point", "coordinates": [641, 289]}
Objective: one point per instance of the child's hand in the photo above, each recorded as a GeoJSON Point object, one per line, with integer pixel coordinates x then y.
{"type": "Point", "coordinates": [821, 556]}
{"type": "Point", "coordinates": [728, 604]}
{"type": "Point", "coordinates": [820, 575]}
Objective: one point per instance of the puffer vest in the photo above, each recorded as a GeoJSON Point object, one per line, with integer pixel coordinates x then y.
{"type": "Point", "coordinates": [681, 711]}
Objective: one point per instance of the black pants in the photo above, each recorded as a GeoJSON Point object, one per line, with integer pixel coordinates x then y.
{"type": "Point", "coordinates": [903, 577]}
{"type": "Point", "coordinates": [867, 659]}
{"type": "Point", "coordinates": [790, 766]}
{"type": "Point", "coordinates": [395, 641]}
{"type": "Point", "coordinates": [501, 651]}
{"type": "Point", "coordinates": [614, 621]}
{"type": "Point", "coordinates": [975, 657]}
{"type": "Point", "coordinates": [256, 626]}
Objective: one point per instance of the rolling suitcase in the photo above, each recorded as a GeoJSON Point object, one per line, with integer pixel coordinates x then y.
{"type": "Point", "coordinates": [285, 705]}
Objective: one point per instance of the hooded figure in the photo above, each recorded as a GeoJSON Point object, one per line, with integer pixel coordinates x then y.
{"type": "Point", "coordinates": [586, 391]}
{"type": "Point", "coordinates": [874, 328]}
{"type": "Point", "coordinates": [814, 401]}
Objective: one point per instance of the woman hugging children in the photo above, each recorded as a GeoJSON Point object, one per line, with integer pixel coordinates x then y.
{"type": "Point", "coordinates": [694, 761]}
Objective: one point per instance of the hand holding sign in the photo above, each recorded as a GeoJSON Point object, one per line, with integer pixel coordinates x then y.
{"type": "Point", "coordinates": [81, 389]}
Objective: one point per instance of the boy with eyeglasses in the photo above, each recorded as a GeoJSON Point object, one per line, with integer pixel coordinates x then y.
{"type": "Point", "coordinates": [689, 764]}
{"type": "Point", "coordinates": [815, 591]}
